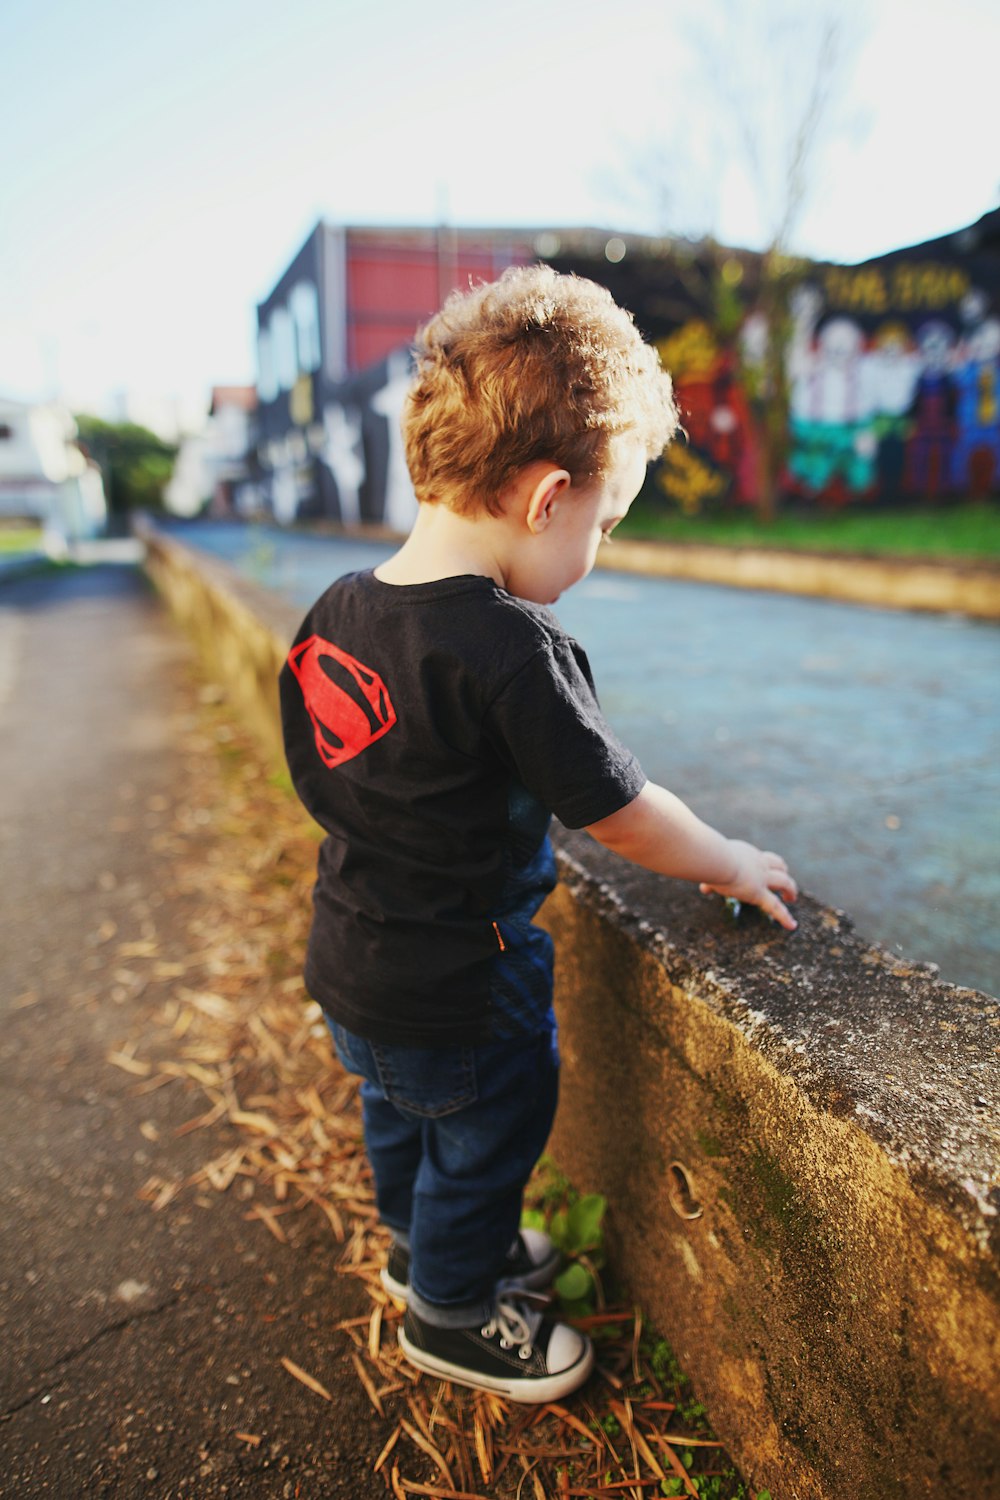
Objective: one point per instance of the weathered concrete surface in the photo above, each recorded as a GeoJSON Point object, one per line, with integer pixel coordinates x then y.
{"type": "Point", "coordinates": [838, 1298]}
{"type": "Point", "coordinates": [971, 588]}
{"type": "Point", "coordinates": [837, 1301]}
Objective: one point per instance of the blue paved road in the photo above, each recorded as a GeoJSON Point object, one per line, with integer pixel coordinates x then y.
{"type": "Point", "coordinates": [862, 743]}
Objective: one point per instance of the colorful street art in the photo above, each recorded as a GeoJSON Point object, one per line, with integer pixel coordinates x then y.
{"type": "Point", "coordinates": [905, 404]}
{"type": "Point", "coordinates": [891, 373]}
{"type": "Point", "coordinates": [894, 391]}
{"type": "Point", "coordinates": [718, 459]}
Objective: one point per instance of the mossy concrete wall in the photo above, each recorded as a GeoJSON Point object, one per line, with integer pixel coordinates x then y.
{"type": "Point", "coordinates": [793, 1132]}
{"type": "Point", "coordinates": [823, 1109]}
{"type": "Point", "coordinates": [242, 631]}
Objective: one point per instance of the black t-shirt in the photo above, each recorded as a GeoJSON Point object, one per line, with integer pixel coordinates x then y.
{"type": "Point", "coordinates": [413, 716]}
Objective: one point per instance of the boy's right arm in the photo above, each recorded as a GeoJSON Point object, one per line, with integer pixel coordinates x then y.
{"type": "Point", "coordinates": [660, 832]}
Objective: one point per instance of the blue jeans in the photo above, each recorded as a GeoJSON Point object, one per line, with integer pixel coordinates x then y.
{"type": "Point", "coordinates": [452, 1134]}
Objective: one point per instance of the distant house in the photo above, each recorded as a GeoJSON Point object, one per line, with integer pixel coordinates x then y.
{"type": "Point", "coordinates": [217, 468]}
{"type": "Point", "coordinates": [44, 474]}
{"type": "Point", "coordinates": [232, 443]}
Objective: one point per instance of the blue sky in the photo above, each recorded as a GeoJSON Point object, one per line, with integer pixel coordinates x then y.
{"type": "Point", "coordinates": [164, 163]}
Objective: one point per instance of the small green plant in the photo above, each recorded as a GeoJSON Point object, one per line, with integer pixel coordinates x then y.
{"type": "Point", "coordinates": [665, 1367]}
{"type": "Point", "coordinates": [574, 1222]}
{"type": "Point", "coordinates": [548, 1189]}
{"type": "Point", "coordinates": [710, 1486]}
{"type": "Point", "coordinates": [577, 1231]}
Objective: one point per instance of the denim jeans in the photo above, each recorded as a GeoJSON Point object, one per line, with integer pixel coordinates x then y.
{"type": "Point", "coordinates": [452, 1134]}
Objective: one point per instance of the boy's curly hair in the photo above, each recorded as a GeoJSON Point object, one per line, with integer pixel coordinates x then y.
{"type": "Point", "coordinates": [536, 365]}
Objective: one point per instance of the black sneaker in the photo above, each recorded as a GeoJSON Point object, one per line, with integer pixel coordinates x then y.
{"type": "Point", "coordinates": [518, 1354]}
{"type": "Point", "coordinates": [532, 1261]}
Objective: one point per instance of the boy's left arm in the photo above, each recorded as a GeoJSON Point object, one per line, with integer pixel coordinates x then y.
{"type": "Point", "coordinates": [660, 832]}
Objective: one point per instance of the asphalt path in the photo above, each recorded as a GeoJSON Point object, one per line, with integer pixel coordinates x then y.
{"type": "Point", "coordinates": [136, 1345]}
{"type": "Point", "coordinates": [862, 743]}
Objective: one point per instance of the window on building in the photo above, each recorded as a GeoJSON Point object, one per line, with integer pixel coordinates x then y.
{"type": "Point", "coordinates": [283, 346]}
{"type": "Point", "coordinates": [304, 304]}
{"type": "Point", "coordinates": [267, 380]}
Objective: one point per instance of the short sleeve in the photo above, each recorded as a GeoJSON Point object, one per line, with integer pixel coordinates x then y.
{"type": "Point", "coordinates": [547, 726]}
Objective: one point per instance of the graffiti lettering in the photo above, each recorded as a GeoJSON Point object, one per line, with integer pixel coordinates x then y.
{"type": "Point", "coordinates": [687, 479]}
{"type": "Point", "coordinates": [858, 291]}
{"type": "Point", "coordinates": [691, 350]}
{"type": "Point", "coordinates": [910, 286]}
{"type": "Point", "coordinates": [923, 285]}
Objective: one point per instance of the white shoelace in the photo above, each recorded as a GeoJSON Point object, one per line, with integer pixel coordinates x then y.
{"type": "Point", "coordinates": [517, 1315]}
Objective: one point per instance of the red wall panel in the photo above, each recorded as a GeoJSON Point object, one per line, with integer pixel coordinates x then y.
{"type": "Point", "coordinates": [392, 284]}
{"type": "Point", "coordinates": [392, 289]}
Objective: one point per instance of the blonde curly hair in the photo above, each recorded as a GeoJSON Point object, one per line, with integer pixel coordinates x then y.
{"type": "Point", "coordinates": [536, 365]}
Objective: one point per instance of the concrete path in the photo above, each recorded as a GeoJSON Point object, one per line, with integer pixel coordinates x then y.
{"type": "Point", "coordinates": [135, 1345]}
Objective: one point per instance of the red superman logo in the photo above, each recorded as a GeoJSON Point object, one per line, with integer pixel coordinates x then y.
{"type": "Point", "coordinates": [347, 702]}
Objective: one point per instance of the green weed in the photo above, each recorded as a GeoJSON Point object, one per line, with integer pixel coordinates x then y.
{"type": "Point", "coordinates": [574, 1222]}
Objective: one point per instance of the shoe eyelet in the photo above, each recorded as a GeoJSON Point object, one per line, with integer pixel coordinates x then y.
{"type": "Point", "coordinates": [488, 1331]}
{"type": "Point", "coordinates": [525, 1351]}
{"type": "Point", "coordinates": [504, 1343]}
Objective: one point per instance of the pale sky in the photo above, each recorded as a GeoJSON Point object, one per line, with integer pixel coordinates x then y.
{"type": "Point", "coordinates": [163, 163]}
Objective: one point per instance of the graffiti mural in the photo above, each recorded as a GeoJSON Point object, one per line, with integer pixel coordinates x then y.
{"type": "Point", "coordinates": [975, 458]}
{"type": "Point", "coordinates": [894, 390]}
{"type": "Point", "coordinates": [892, 371]}
{"type": "Point", "coordinates": [894, 384]}
{"type": "Point", "coordinates": [717, 461]}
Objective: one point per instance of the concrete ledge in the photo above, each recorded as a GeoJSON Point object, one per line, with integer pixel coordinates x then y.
{"type": "Point", "coordinates": [821, 1107]}
{"type": "Point", "coordinates": [893, 583]}
{"type": "Point", "coordinates": [793, 1133]}
{"type": "Point", "coordinates": [242, 630]}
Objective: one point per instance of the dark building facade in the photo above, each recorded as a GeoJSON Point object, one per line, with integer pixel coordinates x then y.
{"type": "Point", "coordinates": [333, 361]}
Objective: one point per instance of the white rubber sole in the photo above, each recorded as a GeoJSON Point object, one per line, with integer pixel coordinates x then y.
{"type": "Point", "coordinates": [396, 1289]}
{"type": "Point", "coordinates": [529, 1392]}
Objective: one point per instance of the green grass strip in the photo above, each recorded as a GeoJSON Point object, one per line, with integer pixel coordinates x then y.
{"type": "Point", "coordinates": [969, 529]}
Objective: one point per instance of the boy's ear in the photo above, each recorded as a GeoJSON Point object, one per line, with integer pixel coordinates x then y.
{"type": "Point", "coordinates": [543, 499]}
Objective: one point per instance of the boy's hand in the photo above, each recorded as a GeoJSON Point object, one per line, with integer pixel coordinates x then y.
{"type": "Point", "coordinates": [759, 874]}
{"type": "Point", "coordinates": [658, 830]}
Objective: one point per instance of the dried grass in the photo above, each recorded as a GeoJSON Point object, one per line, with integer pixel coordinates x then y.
{"type": "Point", "coordinates": [238, 1030]}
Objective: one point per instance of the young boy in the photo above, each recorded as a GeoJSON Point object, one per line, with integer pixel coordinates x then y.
{"type": "Point", "coordinates": [435, 716]}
